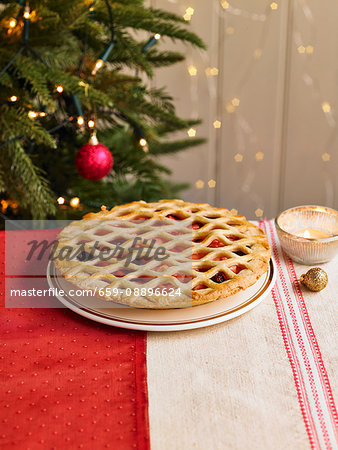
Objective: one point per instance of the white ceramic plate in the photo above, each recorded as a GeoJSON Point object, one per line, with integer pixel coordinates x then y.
{"type": "Point", "coordinates": [163, 320]}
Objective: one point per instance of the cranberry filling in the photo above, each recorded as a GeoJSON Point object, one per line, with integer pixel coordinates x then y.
{"type": "Point", "coordinates": [158, 223]}
{"type": "Point", "coordinates": [120, 273]}
{"type": "Point", "coordinates": [236, 268]}
{"type": "Point", "coordinates": [101, 232]}
{"type": "Point", "coordinates": [198, 255]}
{"type": "Point", "coordinates": [117, 241]}
{"type": "Point", "coordinates": [177, 232]}
{"type": "Point", "coordinates": [197, 225]}
{"type": "Point", "coordinates": [199, 286]}
{"type": "Point", "coordinates": [183, 277]}
{"type": "Point", "coordinates": [103, 263]}
{"type": "Point", "coordinates": [178, 248]}
{"type": "Point", "coordinates": [142, 279]}
{"type": "Point", "coordinates": [165, 286]}
{"type": "Point", "coordinates": [233, 238]}
{"type": "Point", "coordinates": [220, 258]}
{"type": "Point", "coordinates": [160, 240]}
{"type": "Point", "coordinates": [216, 244]}
{"type": "Point", "coordinates": [141, 218]}
{"type": "Point", "coordinates": [202, 269]}
{"type": "Point", "coordinates": [141, 261]}
{"type": "Point", "coordinates": [172, 216]}
{"type": "Point", "coordinates": [220, 277]}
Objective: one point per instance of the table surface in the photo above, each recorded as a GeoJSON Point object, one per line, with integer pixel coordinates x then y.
{"type": "Point", "coordinates": [264, 380]}
{"type": "Point", "coordinates": [231, 386]}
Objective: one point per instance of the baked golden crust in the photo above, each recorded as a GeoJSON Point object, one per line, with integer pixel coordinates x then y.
{"type": "Point", "coordinates": [225, 253]}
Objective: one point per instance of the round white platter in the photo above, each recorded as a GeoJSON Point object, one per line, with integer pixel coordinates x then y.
{"type": "Point", "coordinates": [163, 320]}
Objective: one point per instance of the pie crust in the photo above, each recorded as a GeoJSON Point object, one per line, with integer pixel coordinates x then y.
{"type": "Point", "coordinates": [221, 253]}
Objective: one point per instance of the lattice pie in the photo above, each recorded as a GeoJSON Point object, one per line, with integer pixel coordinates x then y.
{"type": "Point", "coordinates": [209, 254]}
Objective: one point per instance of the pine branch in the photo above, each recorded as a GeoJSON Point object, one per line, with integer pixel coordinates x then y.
{"type": "Point", "coordinates": [140, 18]}
{"type": "Point", "coordinates": [127, 108]}
{"type": "Point", "coordinates": [15, 121]}
{"type": "Point", "coordinates": [27, 184]}
{"type": "Point", "coordinates": [162, 148]}
{"type": "Point", "coordinates": [165, 15]}
{"type": "Point", "coordinates": [2, 178]}
{"type": "Point", "coordinates": [33, 73]}
{"type": "Point", "coordinates": [165, 58]}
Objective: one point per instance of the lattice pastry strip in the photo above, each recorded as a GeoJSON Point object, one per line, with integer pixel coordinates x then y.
{"type": "Point", "coordinates": [224, 254]}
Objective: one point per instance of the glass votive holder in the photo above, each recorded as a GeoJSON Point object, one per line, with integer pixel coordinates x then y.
{"type": "Point", "coordinates": [308, 234]}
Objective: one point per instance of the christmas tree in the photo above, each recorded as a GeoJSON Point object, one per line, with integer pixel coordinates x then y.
{"type": "Point", "coordinates": [68, 68]}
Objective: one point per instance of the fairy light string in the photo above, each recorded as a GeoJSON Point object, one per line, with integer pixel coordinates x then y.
{"type": "Point", "coordinates": [26, 15]}
{"type": "Point", "coordinates": [102, 59]}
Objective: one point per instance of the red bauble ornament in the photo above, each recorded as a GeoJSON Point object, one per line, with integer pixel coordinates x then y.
{"type": "Point", "coordinates": [94, 161]}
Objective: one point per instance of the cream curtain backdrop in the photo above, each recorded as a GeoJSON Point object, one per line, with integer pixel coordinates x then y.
{"type": "Point", "coordinates": [267, 92]}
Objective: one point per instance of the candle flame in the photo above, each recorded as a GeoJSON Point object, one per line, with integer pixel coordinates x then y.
{"type": "Point", "coordinates": [307, 234]}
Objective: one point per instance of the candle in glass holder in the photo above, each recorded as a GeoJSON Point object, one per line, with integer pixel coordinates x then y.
{"type": "Point", "coordinates": [308, 234]}
{"type": "Point", "coordinates": [313, 233]}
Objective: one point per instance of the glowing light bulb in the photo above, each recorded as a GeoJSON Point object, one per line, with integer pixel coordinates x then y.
{"type": "Point", "coordinates": [103, 208]}
{"type": "Point", "coordinates": [326, 157]}
{"type": "Point", "coordinates": [274, 6]}
{"type": "Point", "coordinates": [199, 184]}
{"type": "Point", "coordinates": [80, 121]}
{"type": "Point", "coordinates": [143, 142]}
{"type": "Point", "coordinates": [98, 65]}
{"type": "Point", "coordinates": [238, 157]}
{"type": "Point", "coordinates": [234, 211]}
{"type": "Point", "coordinates": [326, 107]}
{"type": "Point", "coordinates": [75, 201]}
{"type": "Point", "coordinates": [91, 123]}
{"type": "Point", "coordinates": [230, 108]}
{"type": "Point", "coordinates": [27, 13]}
{"type": "Point", "coordinates": [12, 23]}
{"type": "Point", "coordinates": [259, 212]}
{"type": "Point", "coordinates": [192, 70]}
{"type": "Point", "coordinates": [59, 89]}
{"type": "Point", "coordinates": [230, 30]}
{"type": "Point", "coordinates": [225, 4]}
{"type": "Point", "coordinates": [212, 184]}
{"type": "Point", "coordinates": [190, 11]}
{"type": "Point", "coordinates": [211, 71]}
{"type": "Point", "coordinates": [309, 49]}
{"type": "Point", "coordinates": [257, 53]}
{"type": "Point", "coordinates": [217, 124]}
{"type": "Point", "coordinates": [157, 36]}
{"type": "Point", "coordinates": [235, 101]}
{"type": "Point", "coordinates": [259, 156]}
{"type": "Point", "coordinates": [14, 98]}
{"type": "Point", "coordinates": [42, 114]}
{"type": "Point", "coordinates": [61, 201]}
{"type": "Point", "coordinates": [32, 114]}
{"type": "Point", "coordinates": [187, 17]}
{"type": "Point", "coordinates": [191, 132]}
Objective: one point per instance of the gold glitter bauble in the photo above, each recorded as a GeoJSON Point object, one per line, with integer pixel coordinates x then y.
{"type": "Point", "coordinates": [315, 279]}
